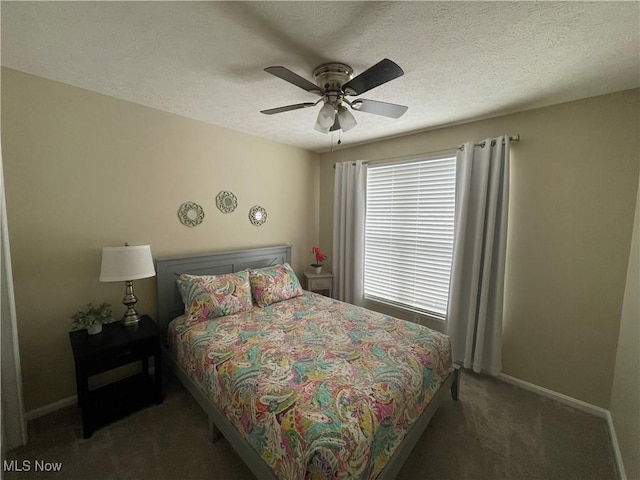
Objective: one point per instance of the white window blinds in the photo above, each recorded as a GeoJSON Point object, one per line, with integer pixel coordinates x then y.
{"type": "Point", "coordinates": [409, 234]}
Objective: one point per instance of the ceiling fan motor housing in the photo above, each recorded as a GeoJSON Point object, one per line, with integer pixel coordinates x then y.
{"type": "Point", "coordinates": [330, 77]}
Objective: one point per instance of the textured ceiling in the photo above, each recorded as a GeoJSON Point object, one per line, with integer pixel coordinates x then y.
{"type": "Point", "coordinates": [205, 60]}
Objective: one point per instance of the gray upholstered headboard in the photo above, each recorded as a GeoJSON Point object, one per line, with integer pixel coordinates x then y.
{"type": "Point", "coordinates": [168, 269]}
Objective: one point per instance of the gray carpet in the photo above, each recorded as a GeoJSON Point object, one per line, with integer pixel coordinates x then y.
{"type": "Point", "coordinates": [496, 431]}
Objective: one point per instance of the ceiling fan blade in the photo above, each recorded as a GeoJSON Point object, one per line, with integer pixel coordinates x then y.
{"type": "Point", "coordinates": [385, 109]}
{"type": "Point", "coordinates": [382, 72]}
{"type": "Point", "coordinates": [288, 76]}
{"type": "Point", "coordinates": [287, 108]}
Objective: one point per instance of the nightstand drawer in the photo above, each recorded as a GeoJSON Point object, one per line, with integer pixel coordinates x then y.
{"type": "Point", "coordinates": [319, 283]}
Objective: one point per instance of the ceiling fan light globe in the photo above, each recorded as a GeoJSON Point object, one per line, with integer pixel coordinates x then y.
{"type": "Point", "coordinates": [320, 128]}
{"type": "Point", "coordinates": [347, 120]}
{"type": "Point", "coordinates": [326, 116]}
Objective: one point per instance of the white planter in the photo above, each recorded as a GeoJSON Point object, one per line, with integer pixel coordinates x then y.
{"type": "Point", "coordinates": [94, 329]}
{"type": "Point", "coordinates": [317, 269]}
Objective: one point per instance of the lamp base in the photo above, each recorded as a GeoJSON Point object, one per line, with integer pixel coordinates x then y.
{"type": "Point", "coordinates": [131, 317]}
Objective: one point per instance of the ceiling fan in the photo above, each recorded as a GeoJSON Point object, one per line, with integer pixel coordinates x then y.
{"type": "Point", "coordinates": [334, 82]}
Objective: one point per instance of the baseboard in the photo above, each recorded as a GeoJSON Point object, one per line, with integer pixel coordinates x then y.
{"type": "Point", "coordinates": [559, 397]}
{"type": "Point", "coordinates": [52, 407]}
{"type": "Point", "coordinates": [616, 447]}
{"type": "Point", "coordinates": [579, 405]}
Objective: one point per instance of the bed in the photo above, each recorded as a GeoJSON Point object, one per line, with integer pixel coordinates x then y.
{"type": "Point", "coordinates": [306, 387]}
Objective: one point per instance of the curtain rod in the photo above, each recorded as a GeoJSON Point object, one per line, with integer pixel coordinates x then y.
{"type": "Point", "coordinates": [512, 138]}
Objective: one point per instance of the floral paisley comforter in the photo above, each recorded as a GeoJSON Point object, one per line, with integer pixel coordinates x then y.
{"type": "Point", "coordinates": [320, 388]}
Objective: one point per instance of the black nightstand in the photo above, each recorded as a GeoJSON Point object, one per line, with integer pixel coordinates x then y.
{"type": "Point", "coordinates": [117, 345]}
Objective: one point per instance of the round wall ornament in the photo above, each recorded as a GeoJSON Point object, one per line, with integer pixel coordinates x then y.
{"type": "Point", "coordinates": [257, 215]}
{"type": "Point", "coordinates": [226, 201]}
{"type": "Point", "coordinates": [190, 214]}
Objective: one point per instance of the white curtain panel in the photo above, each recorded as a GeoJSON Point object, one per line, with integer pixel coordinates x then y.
{"type": "Point", "coordinates": [474, 316]}
{"type": "Point", "coordinates": [349, 194]}
{"type": "Point", "coordinates": [12, 416]}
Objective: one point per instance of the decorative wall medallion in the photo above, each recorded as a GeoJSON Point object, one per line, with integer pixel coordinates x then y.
{"type": "Point", "coordinates": [257, 215]}
{"type": "Point", "coordinates": [190, 214]}
{"type": "Point", "coordinates": [226, 202]}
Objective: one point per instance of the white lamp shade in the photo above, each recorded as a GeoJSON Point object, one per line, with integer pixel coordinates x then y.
{"type": "Point", "coordinates": [120, 264]}
{"type": "Point", "coordinates": [347, 120]}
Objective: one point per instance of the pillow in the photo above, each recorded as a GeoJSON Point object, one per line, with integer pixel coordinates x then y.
{"type": "Point", "coordinates": [274, 284]}
{"type": "Point", "coordinates": [211, 296]}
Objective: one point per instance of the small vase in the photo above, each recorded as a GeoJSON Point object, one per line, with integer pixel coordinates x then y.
{"type": "Point", "coordinates": [317, 269]}
{"type": "Point", "coordinates": [94, 329]}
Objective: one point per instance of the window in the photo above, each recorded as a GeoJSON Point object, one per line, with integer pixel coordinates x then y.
{"type": "Point", "coordinates": [409, 234]}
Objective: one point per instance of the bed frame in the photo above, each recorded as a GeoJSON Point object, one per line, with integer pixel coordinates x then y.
{"type": "Point", "coordinates": [170, 306]}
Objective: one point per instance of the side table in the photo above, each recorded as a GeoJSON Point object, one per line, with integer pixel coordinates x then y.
{"type": "Point", "coordinates": [117, 345]}
{"type": "Point", "coordinates": [319, 283]}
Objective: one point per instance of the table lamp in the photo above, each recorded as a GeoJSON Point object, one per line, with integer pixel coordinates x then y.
{"type": "Point", "coordinates": [125, 264]}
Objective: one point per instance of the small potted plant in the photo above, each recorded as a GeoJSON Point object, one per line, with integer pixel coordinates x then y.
{"type": "Point", "coordinates": [320, 258]}
{"type": "Point", "coordinates": [92, 318]}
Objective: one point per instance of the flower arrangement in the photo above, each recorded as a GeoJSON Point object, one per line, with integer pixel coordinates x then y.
{"type": "Point", "coordinates": [320, 257]}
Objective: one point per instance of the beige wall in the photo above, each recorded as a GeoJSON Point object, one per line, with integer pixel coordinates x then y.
{"type": "Point", "coordinates": [574, 176]}
{"type": "Point", "coordinates": [625, 397]}
{"type": "Point", "coordinates": [84, 171]}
